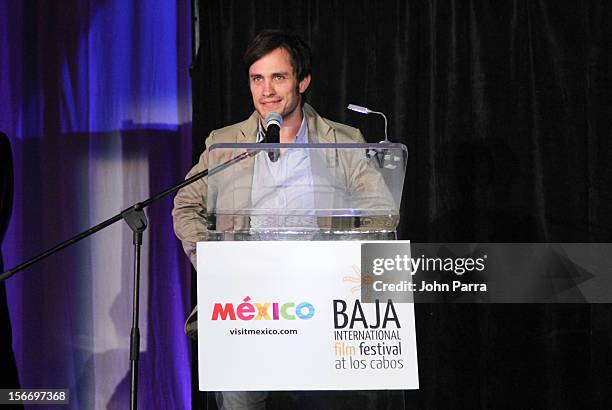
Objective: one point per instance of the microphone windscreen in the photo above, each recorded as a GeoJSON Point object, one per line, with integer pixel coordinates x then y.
{"type": "Point", "coordinates": [274, 118]}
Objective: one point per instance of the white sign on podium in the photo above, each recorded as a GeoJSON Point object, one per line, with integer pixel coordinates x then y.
{"type": "Point", "coordinates": [287, 315]}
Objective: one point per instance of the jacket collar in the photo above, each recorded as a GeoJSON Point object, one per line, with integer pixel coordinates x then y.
{"type": "Point", "coordinates": [319, 129]}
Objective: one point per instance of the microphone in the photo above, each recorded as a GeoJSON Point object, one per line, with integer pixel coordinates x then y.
{"type": "Point", "coordinates": [273, 124]}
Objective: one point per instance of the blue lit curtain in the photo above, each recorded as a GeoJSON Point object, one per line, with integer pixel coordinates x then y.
{"type": "Point", "coordinates": [94, 96]}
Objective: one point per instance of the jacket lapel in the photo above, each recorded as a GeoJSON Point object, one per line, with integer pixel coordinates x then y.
{"type": "Point", "coordinates": [247, 134]}
{"type": "Point", "coordinates": [248, 129]}
{"type": "Point", "coordinates": [319, 131]}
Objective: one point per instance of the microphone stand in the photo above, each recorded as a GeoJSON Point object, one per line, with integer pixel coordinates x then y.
{"type": "Point", "coordinates": [136, 219]}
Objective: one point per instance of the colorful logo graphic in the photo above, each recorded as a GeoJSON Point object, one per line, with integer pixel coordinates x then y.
{"type": "Point", "coordinates": [263, 311]}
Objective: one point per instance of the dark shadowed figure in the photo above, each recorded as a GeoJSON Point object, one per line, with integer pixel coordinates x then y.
{"type": "Point", "coordinates": [8, 375]}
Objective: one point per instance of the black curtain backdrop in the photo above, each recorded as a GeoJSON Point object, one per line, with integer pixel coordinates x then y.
{"type": "Point", "coordinates": [506, 110]}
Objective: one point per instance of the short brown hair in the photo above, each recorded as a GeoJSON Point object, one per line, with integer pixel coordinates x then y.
{"type": "Point", "coordinates": [269, 40]}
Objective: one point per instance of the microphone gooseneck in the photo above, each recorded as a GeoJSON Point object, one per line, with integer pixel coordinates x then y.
{"type": "Point", "coordinates": [379, 154]}
{"type": "Point", "coordinates": [365, 110]}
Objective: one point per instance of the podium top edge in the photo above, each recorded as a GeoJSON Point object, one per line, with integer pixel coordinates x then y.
{"type": "Point", "coordinates": [261, 145]}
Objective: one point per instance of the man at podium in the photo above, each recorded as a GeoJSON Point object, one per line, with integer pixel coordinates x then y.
{"type": "Point", "coordinates": [279, 67]}
{"type": "Point", "coordinates": [279, 75]}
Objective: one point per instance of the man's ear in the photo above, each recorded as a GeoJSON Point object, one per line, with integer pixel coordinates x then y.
{"type": "Point", "coordinates": [303, 86]}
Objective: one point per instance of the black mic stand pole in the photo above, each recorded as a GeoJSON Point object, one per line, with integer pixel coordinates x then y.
{"type": "Point", "coordinates": [136, 219]}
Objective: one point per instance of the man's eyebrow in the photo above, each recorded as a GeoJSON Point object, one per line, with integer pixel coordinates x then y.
{"type": "Point", "coordinates": [284, 73]}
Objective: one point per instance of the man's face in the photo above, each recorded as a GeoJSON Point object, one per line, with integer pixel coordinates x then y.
{"type": "Point", "coordinates": [274, 86]}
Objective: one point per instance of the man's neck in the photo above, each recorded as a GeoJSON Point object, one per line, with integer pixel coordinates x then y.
{"type": "Point", "coordinates": [291, 126]}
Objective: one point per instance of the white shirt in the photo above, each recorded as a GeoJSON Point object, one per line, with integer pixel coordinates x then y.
{"type": "Point", "coordinates": [283, 190]}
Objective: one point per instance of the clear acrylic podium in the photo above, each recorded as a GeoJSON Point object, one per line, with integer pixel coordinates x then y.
{"type": "Point", "coordinates": [308, 192]}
